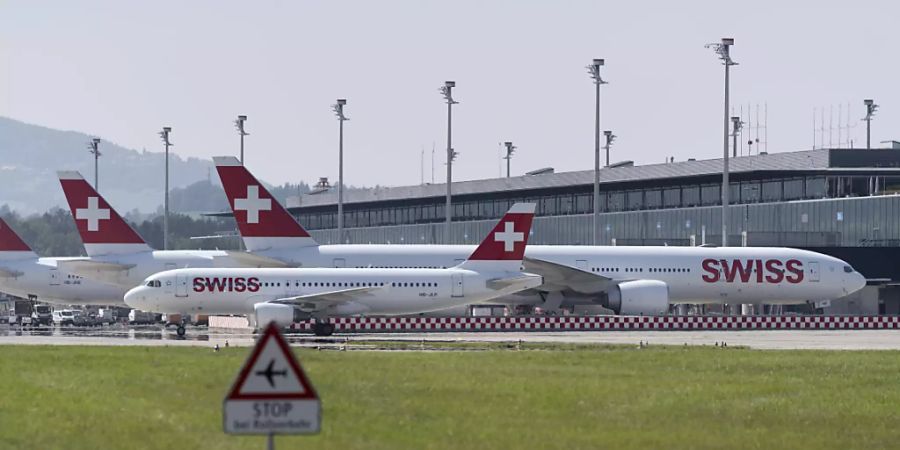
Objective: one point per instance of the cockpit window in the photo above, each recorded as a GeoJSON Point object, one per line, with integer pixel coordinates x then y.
{"type": "Point", "coordinates": [848, 269]}
{"type": "Point", "coordinates": [154, 283]}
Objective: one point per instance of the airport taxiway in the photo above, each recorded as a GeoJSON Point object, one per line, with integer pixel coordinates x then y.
{"type": "Point", "coordinates": [199, 336]}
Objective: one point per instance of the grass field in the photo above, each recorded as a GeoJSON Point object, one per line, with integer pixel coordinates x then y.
{"type": "Point", "coordinates": [569, 398]}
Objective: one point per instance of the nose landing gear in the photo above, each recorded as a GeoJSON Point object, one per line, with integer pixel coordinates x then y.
{"type": "Point", "coordinates": [178, 321]}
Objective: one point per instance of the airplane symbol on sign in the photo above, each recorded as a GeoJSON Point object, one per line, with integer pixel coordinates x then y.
{"type": "Point", "coordinates": [270, 373]}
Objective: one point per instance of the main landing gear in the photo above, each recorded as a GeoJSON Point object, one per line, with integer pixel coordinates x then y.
{"type": "Point", "coordinates": [323, 328]}
{"type": "Point", "coordinates": [180, 330]}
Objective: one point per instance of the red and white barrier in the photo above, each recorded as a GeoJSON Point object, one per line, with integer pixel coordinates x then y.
{"type": "Point", "coordinates": [601, 323]}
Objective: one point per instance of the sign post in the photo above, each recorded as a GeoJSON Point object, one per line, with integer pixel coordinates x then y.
{"type": "Point", "coordinates": [272, 395]}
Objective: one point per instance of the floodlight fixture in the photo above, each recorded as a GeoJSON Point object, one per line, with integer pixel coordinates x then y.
{"type": "Point", "coordinates": [338, 109]}
{"type": "Point", "coordinates": [723, 49]}
{"type": "Point", "coordinates": [593, 69]}
{"type": "Point", "coordinates": [447, 91]}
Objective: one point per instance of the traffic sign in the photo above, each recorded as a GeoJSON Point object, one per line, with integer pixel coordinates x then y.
{"type": "Point", "coordinates": [272, 394]}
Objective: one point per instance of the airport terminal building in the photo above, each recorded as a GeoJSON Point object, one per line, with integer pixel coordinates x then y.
{"type": "Point", "coordinates": [842, 202]}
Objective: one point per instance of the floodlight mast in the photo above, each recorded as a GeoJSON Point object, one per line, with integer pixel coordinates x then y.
{"type": "Point", "coordinates": [871, 107]}
{"type": "Point", "coordinates": [338, 109]}
{"type": "Point", "coordinates": [610, 138]}
{"type": "Point", "coordinates": [164, 134]}
{"type": "Point", "coordinates": [594, 72]}
{"type": "Point", "coordinates": [94, 149]}
{"type": "Point", "coordinates": [239, 124]}
{"type": "Point", "coordinates": [447, 92]}
{"type": "Point", "coordinates": [723, 49]}
{"type": "Point", "coordinates": [510, 149]}
{"type": "Point", "coordinates": [736, 126]}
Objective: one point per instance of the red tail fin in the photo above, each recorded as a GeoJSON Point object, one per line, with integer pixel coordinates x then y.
{"type": "Point", "coordinates": [262, 221]}
{"type": "Point", "coordinates": [506, 242]}
{"type": "Point", "coordinates": [11, 245]}
{"type": "Point", "coordinates": [101, 228]}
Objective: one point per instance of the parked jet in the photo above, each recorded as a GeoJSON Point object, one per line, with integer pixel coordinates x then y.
{"type": "Point", "coordinates": [628, 280]}
{"type": "Point", "coordinates": [24, 274]}
{"type": "Point", "coordinates": [284, 295]}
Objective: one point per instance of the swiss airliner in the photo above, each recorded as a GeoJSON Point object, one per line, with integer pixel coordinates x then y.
{"type": "Point", "coordinates": [24, 274]}
{"type": "Point", "coordinates": [628, 280]}
{"type": "Point", "coordinates": [494, 269]}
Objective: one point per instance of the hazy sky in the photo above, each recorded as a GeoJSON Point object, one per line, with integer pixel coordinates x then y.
{"type": "Point", "coordinates": [123, 69]}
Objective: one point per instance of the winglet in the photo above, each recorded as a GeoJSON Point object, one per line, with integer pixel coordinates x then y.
{"type": "Point", "coordinates": [101, 228]}
{"type": "Point", "coordinates": [11, 245]}
{"type": "Point", "coordinates": [504, 246]}
{"type": "Point", "coordinates": [263, 223]}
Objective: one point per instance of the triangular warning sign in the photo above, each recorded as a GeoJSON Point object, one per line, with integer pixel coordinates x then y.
{"type": "Point", "coordinates": [272, 372]}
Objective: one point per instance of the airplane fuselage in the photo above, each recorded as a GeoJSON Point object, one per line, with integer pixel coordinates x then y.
{"type": "Point", "coordinates": [394, 291]}
{"type": "Point", "coordinates": [769, 275]}
{"type": "Point", "coordinates": [41, 278]}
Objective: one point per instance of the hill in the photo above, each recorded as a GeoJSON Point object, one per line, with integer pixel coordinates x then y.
{"type": "Point", "coordinates": [30, 155]}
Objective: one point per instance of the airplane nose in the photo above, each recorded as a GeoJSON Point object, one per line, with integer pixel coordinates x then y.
{"type": "Point", "coordinates": [134, 297]}
{"type": "Point", "coordinates": [859, 281]}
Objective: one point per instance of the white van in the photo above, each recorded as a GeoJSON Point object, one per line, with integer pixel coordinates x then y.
{"type": "Point", "coordinates": [64, 317]}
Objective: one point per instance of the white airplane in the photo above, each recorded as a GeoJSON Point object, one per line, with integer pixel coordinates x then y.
{"type": "Point", "coordinates": [24, 274]}
{"type": "Point", "coordinates": [117, 254]}
{"type": "Point", "coordinates": [283, 295]}
{"type": "Point", "coordinates": [627, 280]}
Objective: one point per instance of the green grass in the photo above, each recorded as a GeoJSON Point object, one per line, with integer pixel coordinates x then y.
{"type": "Point", "coordinates": [568, 398]}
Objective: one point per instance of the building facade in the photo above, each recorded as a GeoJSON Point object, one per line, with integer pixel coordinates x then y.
{"type": "Point", "coordinates": [844, 202]}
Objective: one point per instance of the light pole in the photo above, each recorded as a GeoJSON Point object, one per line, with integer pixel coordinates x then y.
{"type": "Point", "coordinates": [164, 134]}
{"type": "Point", "coordinates": [610, 138]}
{"type": "Point", "coordinates": [723, 50]}
{"type": "Point", "coordinates": [339, 112]}
{"type": "Point", "coordinates": [510, 149]}
{"type": "Point", "coordinates": [594, 72]}
{"type": "Point", "coordinates": [239, 124]}
{"type": "Point", "coordinates": [736, 126]}
{"type": "Point", "coordinates": [447, 92]}
{"type": "Point", "coordinates": [94, 149]}
{"type": "Point", "coordinates": [871, 107]}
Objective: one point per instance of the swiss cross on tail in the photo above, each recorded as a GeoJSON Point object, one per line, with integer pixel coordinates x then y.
{"type": "Point", "coordinates": [101, 228]}
{"type": "Point", "coordinates": [272, 394]}
{"type": "Point", "coordinates": [507, 241]}
{"type": "Point", "coordinates": [264, 224]}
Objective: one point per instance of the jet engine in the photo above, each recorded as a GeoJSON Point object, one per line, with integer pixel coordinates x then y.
{"type": "Point", "coordinates": [282, 315]}
{"type": "Point", "coordinates": [639, 298]}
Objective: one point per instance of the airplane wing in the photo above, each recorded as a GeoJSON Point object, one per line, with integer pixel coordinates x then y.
{"type": "Point", "coordinates": [501, 283]}
{"type": "Point", "coordinates": [256, 260]}
{"type": "Point", "coordinates": [9, 273]}
{"type": "Point", "coordinates": [108, 272]}
{"type": "Point", "coordinates": [81, 266]}
{"type": "Point", "coordinates": [558, 277]}
{"type": "Point", "coordinates": [322, 300]}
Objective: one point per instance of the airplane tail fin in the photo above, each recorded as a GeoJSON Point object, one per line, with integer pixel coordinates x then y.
{"type": "Point", "coordinates": [504, 247]}
{"type": "Point", "coordinates": [102, 230]}
{"type": "Point", "coordinates": [263, 223]}
{"type": "Point", "coordinates": [12, 247]}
